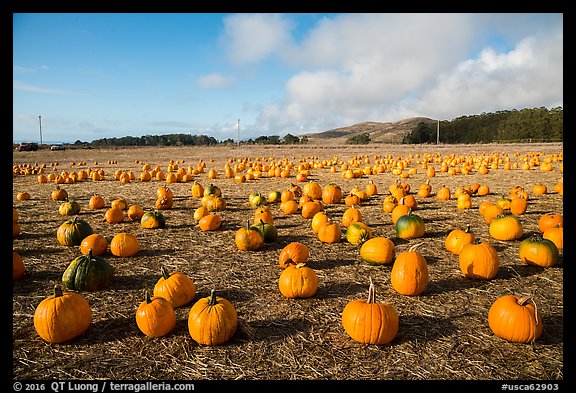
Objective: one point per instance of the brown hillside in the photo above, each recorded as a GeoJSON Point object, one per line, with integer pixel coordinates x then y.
{"type": "Point", "coordinates": [391, 132]}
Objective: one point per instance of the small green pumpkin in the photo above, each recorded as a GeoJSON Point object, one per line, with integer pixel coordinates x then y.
{"type": "Point", "coordinates": [72, 232]}
{"type": "Point", "coordinates": [152, 220]}
{"type": "Point", "coordinates": [69, 208]}
{"type": "Point", "coordinates": [88, 273]}
{"type": "Point", "coordinates": [410, 226]}
{"type": "Point", "coordinates": [269, 231]}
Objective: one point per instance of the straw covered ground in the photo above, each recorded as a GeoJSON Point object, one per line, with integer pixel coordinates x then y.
{"type": "Point", "coordinates": [443, 333]}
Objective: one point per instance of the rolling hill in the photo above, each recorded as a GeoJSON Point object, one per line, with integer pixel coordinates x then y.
{"type": "Point", "coordinates": [391, 132]}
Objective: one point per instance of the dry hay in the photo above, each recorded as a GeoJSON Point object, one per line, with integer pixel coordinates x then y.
{"type": "Point", "coordinates": [443, 333]}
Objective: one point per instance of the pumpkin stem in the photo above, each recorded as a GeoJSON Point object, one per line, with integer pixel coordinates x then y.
{"type": "Point", "coordinates": [467, 230]}
{"type": "Point", "coordinates": [57, 290]}
{"type": "Point", "coordinates": [213, 300]}
{"type": "Point", "coordinates": [165, 272]}
{"type": "Point", "coordinates": [148, 297]}
{"type": "Point", "coordinates": [415, 246]}
{"type": "Point", "coordinates": [371, 292]}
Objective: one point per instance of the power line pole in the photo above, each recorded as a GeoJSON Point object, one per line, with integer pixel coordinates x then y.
{"type": "Point", "coordinates": [40, 123]}
{"type": "Point", "coordinates": [438, 133]}
{"type": "Point", "coordinates": [238, 129]}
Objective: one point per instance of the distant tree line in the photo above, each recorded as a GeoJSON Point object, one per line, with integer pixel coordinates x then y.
{"type": "Point", "coordinates": [526, 125]}
{"type": "Point", "coordinates": [187, 140]}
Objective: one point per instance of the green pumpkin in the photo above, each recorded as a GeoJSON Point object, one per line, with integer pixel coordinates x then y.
{"type": "Point", "coordinates": [269, 231]}
{"type": "Point", "coordinates": [69, 208]}
{"type": "Point", "coordinates": [88, 273]}
{"type": "Point", "coordinates": [72, 232]}
{"type": "Point", "coordinates": [358, 233]}
{"type": "Point", "coordinates": [152, 220]}
{"type": "Point", "coordinates": [410, 226]}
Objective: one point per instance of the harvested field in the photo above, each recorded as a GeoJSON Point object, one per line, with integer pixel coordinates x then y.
{"type": "Point", "coordinates": [443, 333]}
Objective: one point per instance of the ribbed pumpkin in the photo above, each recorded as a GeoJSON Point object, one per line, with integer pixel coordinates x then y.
{"type": "Point", "coordinates": [69, 208]}
{"type": "Point", "coordinates": [506, 227]}
{"type": "Point", "coordinates": [310, 208]}
{"type": "Point", "coordinates": [538, 251]}
{"type": "Point", "coordinates": [62, 316]}
{"type": "Point", "coordinates": [88, 273]}
{"type": "Point", "coordinates": [409, 275]}
{"type": "Point", "coordinates": [212, 320]}
{"type": "Point", "coordinates": [515, 318]}
{"type": "Point", "coordinates": [357, 233]}
{"type": "Point", "coordinates": [410, 226]}
{"type": "Point", "coordinates": [293, 254]}
{"type": "Point", "coordinates": [298, 281]}
{"type": "Point", "coordinates": [155, 316]}
{"type": "Point", "coordinates": [457, 239]}
{"type": "Point", "coordinates": [72, 232]}
{"type": "Point", "coordinates": [177, 288]}
{"type": "Point", "coordinates": [370, 322]}
{"type": "Point", "coordinates": [124, 245]}
{"type": "Point", "coordinates": [518, 205]}
{"type": "Point", "coordinates": [249, 238]}
{"type": "Point", "coordinates": [378, 251]}
{"type": "Point", "coordinates": [153, 220]}
{"type": "Point", "coordinates": [479, 260]}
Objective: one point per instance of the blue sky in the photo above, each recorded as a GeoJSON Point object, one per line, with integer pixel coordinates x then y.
{"type": "Point", "coordinates": [93, 76]}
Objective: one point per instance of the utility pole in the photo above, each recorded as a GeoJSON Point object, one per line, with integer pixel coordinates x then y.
{"type": "Point", "coordinates": [40, 123]}
{"type": "Point", "coordinates": [438, 133]}
{"type": "Point", "coordinates": [238, 129]}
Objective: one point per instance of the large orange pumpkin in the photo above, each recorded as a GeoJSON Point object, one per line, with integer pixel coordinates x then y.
{"type": "Point", "coordinates": [62, 316]}
{"type": "Point", "coordinates": [514, 318]}
{"type": "Point", "coordinates": [370, 322]}
{"type": "Point", "coordinates": [298, 281]}
{"type": "Point", "coordinates": [212, 320]}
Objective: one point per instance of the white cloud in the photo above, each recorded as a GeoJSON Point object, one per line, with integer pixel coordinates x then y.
{"type": "Point", "coordinates": [384, 68]}
{"type": "Point", "coordinates": [215, 80]}
{"type": "Point", "coordinates": [250, 38]}
{"type": "Point", "coordinates": [530, 75]}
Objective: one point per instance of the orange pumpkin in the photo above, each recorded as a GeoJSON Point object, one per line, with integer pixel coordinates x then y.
{"type": "Point", "coordinates": [293, 253]}
{"type": "Point", "coordinates": [457, 239]}
{"type": "Point", "coordinates": [370, 322]}
{"type": "Point", "coordinates": [124, 245]}
{"type": "Point", "coordinates": [479, 260]}
{"type": "Point", "coordinates": [298, 281]}
{"type": "Point", "coordinates": [409, 274]}
{"type": "Point", "coordinates": [514, 318]}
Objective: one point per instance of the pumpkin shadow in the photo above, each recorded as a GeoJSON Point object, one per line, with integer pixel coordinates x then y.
{"type": "Point", "coordinates": [271, 330]}
{"type": "Point", "coordinates": [338, 290]}
{"type": "Point", "coordinates": [331, 263]}
{"type": "Point", "coordinates": [132, 282]}
{"type": "Point", "coordinates": [107, 330]}
{"type": "Point", "coordinates": [453, 284]}
{"type": "Point", "coordinates": [424, 328]}
{"type": "Point", "coordinates": [553, 331]}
